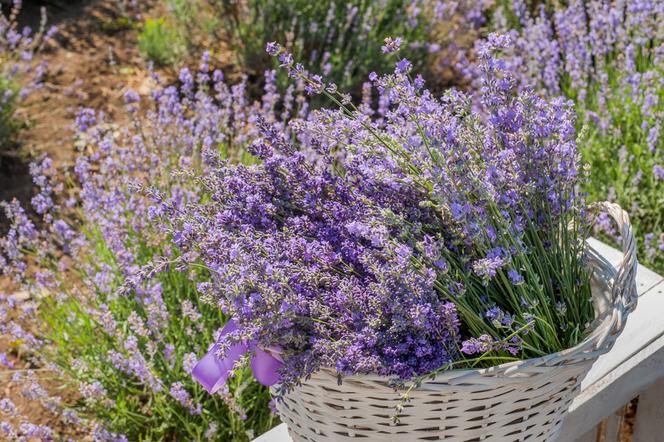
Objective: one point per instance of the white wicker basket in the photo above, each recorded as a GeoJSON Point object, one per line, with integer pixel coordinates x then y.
{"type": "Point", "coordinates": [523, 400]}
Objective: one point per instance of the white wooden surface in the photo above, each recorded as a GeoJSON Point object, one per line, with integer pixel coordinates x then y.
{"type": "Point", "coordinates": [634, 364]}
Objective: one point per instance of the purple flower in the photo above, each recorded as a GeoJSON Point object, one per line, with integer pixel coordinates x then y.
{"type": "Point", "coordinates": [5, 361]}
{"type": "Point", "coordinates": [122, 188]}
{"type": "Point", "coordinates": [391, 45]}
{"type": "Point", "coordinates": [131, 96]}
{"type": "Point", "coordinates": [418, 83]}
{"type": "Point", "coordinates": [403, 66]}
{"type": "Point", "coordinates": [494, 314]}
{"type": "Point", "coordinates": [272, 48]}
{"type": "Point", "coordinates": [7, 406]}
{"type": "Point", "coordinates": [658, 171]}
{"type": "Point", "coordinates": [473, 346]}
{"type": "Point", "coordinates": [181, 395]}
{"type": "Point", "coordinates": [190, 360]}
{"type": "Point", "coordinates": [487, 268]}
{"type": "Point", "coordinates": [85, 119]}
{"type": "Point", "coordinates": [515, 277]}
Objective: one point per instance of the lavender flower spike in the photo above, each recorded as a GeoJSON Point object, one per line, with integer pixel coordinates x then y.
{"type": "Point", "coordinates": [391, 45]}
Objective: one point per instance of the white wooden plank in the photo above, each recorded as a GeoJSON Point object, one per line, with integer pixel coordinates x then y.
{"type": "Point", "coordinates": [650, 414]}
{"type": "Point", "coordinates": [636, 360]}
{"type": "Point", "coordinates": [643, 326]}
{"type": "Point", "coordinates": [277, 434]}
{"type": "Point", "coordinates": [618, 387]}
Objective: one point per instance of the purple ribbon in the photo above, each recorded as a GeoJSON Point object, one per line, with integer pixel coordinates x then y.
{"type": "Point", "coordinates": [212, 372]}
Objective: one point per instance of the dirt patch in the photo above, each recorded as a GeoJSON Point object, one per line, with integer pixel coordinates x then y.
{"type": "Point", "coordinates": [92, 62]}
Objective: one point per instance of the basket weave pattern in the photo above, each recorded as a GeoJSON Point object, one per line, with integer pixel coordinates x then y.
{"type": "Point", "coordinates": [517, 401]}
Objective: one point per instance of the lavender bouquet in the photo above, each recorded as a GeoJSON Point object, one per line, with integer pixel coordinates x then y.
{"type": "Point", "coordinates": [428, 237]}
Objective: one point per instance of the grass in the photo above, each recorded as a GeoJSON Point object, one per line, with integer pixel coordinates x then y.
{"type": "Point", "coordinates": [159, 42]}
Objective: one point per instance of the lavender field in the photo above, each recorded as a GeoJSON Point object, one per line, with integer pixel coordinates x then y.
{"type": "Point", "coordinates": [206, 202]}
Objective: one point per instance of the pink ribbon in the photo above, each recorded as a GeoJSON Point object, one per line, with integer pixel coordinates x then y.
{"type": "Point", "coordinates": [212, 372]}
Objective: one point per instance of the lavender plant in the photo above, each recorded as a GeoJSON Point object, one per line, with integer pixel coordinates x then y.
{"type": "Point", "coordinates": [607, 57]}
{"type": "Point", "coordinates": [429, 239]}
{"type": "Point", "coordinates": [341, 40]}
{"type": "Point", "coordinates": [20, 74]}
{"type": "Point", "coordinates": [128, 356]}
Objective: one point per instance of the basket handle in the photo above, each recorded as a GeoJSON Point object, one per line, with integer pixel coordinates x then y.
{"type": "Point", "coordinates": [624, 285]}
